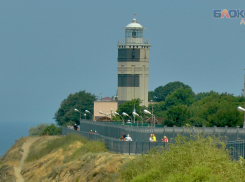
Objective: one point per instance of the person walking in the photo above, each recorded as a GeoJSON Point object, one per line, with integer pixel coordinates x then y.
{"type": "Point", "coordinates": [151, 138]}
{"type": "Point", "coordinates": [154, 138]}
{"type": "Point", "coordinates": [165, 139]}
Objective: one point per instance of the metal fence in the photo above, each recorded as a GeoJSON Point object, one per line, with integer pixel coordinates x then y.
{"type": "Point", "coordinates": [237, 148]}
{"type": "Point", "coordinates": [143, 133]}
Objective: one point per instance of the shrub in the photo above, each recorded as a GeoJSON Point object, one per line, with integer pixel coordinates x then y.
{"type": "Point", "coordinates": [51, 130]}
{"type": "Point", "coordinates": [36, 131]}
{"type": "Point", "coordinates": [196, 159]}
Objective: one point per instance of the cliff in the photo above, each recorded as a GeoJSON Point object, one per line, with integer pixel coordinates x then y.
{"type": "Point", "coordinates": [59, 158]}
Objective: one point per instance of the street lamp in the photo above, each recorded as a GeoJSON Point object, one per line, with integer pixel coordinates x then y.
{"type": "Point", "coordinates": [136, 114]}
{"type": "Point", "coordinates": [104, 114]}
{"type": "Point", "coordinates": [125, 114]}
{"type": "Point", "coordinates": [89, 113]}
{"type": "Point", "coordinates": [148, 112]}
{"type": "Point", "coordinates": [79, 112]}
{"type": "Point", "coordinates": [120, 116]}
{"type": "Point", "coordinates": [242, 109]}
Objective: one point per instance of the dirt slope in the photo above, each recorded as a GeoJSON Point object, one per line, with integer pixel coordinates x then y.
{"type": "Point", "coordinates": [59, 165]}
{"type": "Point", "coordinates": [25, 148]}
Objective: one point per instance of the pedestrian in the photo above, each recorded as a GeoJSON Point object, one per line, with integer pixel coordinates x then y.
{"type": "Point", "coordinates": [154, 138]}
{"type": "Point", "coordinates": [91, 132]}
{"type": "Point", "coordinates": [128, 138]}
{"type": "Point", "coordinates": [75, 127]}
{"type": "Point", "coordinates": [165, 139]}
{"type": "Point", "coordinates": [151, 138]}
{"type": "Point", "coordinates": [123, 136]}
{"type": "Point", "coordinates": [95, 132]}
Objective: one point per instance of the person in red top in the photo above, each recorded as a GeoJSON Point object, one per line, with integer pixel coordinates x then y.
{"type": "Point", "coordinates": [165, 139]}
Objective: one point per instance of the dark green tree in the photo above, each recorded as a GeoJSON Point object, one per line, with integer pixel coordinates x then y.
{"type": "Point", "coordinates": [81, 101]}
{"type": "Point", "coordinates": [177, 115]}
{"type": "Point", "coordinates": [128, 107]}
{"type": "Point", "coordinates": [218, 110]}
{"type": "Point", "coordinates": [161, 92]}
{"type": "Point", "coordinates": [201, 95]}
{"type": "Point", "coordinates": [180, 96]}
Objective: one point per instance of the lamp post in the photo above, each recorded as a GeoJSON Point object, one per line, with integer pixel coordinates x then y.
{"type": "Point", "coordinates": [88, 113]}
{"type": "Point", "coordinates": [148, 112]}
{"type": "Point", "coordinates": [136, 114]}
{"type": "Point", "coordinates": [120, 116]}
{"type": "Point", "coordinates": [104, 114]}
{"type": "Point", "coordinates": [125, 114]}
{"type": "Point", "coordinates": [79, 112]}
{"type": "Point", "coordinates": [242, 109]}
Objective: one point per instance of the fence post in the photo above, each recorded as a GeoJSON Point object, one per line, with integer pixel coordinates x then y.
{"type": "Point", "coordinates": [173, 130]}
{"type": "Point", "coordinates": [142, 147]}
{"type": "Point", "coordinates": [129, 147]}
{"type": "Point", "coordinates": [165, 126]}
{"type": "Point", "coordinates": [237, 133]}
{"type": "Point", "coordinates": [215, 130]}
{"type": "Point", "coordinates": [135, 147]}
{"type": "Point", "coordinates": [226, 130]}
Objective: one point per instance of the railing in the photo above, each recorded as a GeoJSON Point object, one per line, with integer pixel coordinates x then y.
{"type": "Point", "coordinates": [237, 148]}
{"type": "Point", "coordinates": [143, 133]}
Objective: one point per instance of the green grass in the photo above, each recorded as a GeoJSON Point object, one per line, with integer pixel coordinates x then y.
{"type": "Point", "coordinates": [65, 143]}
{"type": "Point", "coordinates": [185, 161]}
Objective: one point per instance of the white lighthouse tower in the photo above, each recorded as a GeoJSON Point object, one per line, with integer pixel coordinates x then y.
{"type": "Point", "coordinates": [133, 65]}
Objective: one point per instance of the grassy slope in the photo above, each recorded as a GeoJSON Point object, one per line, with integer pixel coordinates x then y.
{"type": "Point", "coordinates": [71, 158]}
{"type": "Point", "coordinates": [187, 161]}
{"type": "Point", "coordinates": [10, 160]}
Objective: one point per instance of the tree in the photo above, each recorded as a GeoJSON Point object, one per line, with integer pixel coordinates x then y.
{"type": "Point", "coordinates": [177, 115]}
{"type": "Point", "coordinates": [81, 100]}
{"type": "Point", "coordinates": [161, 92]}
{"type": "Point", "coordinates": [218, 110]}
{"type": "Point", "coordinates": [201, 95]}
{"type": "Point", "coordinates": [180, 96]}
{"type": "Point", "coordinates": [128, 107]}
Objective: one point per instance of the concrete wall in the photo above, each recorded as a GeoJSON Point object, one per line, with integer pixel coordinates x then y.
{"type": "Point", "coordinates": [141, 68]}
{"type": "Point", "coordinates": [105, 107]}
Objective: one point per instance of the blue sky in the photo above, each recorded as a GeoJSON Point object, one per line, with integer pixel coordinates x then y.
{"type": "Point", "coordinates": [49, 49]}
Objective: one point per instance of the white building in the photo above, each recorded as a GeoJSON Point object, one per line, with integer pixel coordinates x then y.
{"type": "Point", "coordinates": [133, 65]}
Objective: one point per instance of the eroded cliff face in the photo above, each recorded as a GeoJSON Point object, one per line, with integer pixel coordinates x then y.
{"type": "Point", "coordinates": [10, 160]}
{"type": "Point", "coordinates": [63, 165]}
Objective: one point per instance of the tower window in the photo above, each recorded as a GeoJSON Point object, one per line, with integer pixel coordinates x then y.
{"type": "Point", "coordinates": [134, 34]}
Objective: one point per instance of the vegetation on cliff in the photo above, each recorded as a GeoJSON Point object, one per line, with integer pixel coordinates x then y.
{"type": "Point", "coordinates": [198, 159]}
{"type": "Point", "coordinates": [82, 101]}
{"type": "Point", "coordinates": [71, 158]}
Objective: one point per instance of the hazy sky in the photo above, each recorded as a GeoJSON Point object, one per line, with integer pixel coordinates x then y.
{"type": "Point", "coordinates": [49, 49]}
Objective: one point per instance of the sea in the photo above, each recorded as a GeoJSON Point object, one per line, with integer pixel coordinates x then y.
{"type": "Point", "coordinates": [12, 131]}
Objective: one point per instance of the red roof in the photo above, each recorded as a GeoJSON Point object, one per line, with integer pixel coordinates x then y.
{"type": "Point", "coordinates": [107, 99]}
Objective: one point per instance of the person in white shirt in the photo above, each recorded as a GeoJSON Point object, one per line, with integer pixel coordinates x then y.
{"type": "Point", "coordinates": [128, 138]}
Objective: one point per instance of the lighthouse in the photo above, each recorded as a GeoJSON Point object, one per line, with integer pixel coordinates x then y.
{"type": "Point", "coordinates": [133, 64]}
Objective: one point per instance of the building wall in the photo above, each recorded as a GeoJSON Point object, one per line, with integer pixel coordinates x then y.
{"type": "Point", "coordinates": [133, 71]}
{"type": "Point", "coordinates": [105, 107]}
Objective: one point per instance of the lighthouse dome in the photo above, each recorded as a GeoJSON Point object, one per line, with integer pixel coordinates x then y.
{"type": "Point", "coordinates": [134, 24]}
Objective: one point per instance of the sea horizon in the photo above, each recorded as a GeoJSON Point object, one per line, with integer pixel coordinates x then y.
{"type": "Point", "coordinates": [12, 131]}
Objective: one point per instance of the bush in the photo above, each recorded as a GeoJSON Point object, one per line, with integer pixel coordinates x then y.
{"type": "Point", "coordinates": [198, 159]}
{"type": "Point", "coordinates": [51, 130]}
{"type": "Point", "coordinates": [38, 130]}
